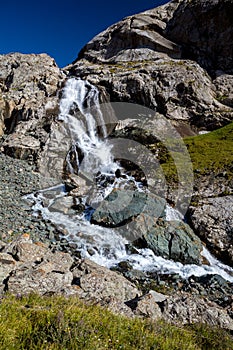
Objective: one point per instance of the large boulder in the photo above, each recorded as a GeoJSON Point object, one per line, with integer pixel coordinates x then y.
{"type": "Point", "coordinates": [141, 215]}
{"type": "Point", "coordinates": [99, 283]}
{"type": "Point", "coordinates": [212, 220]}
{"type": "Point", "coordinates": [121, 206]}
{"type": "Point", "coordinates": [174, 240]}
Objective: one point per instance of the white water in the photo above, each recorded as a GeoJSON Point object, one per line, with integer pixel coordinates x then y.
{"type": "Point", "coordinates": [104, 246]}
{"type": "Point", "coordinates": [83, 131]}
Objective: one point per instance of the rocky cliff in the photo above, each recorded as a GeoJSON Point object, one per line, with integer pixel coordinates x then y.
{"type": "Point", "coordinates": [28, 100]}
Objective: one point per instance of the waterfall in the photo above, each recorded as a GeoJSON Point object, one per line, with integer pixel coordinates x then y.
{"type": "Point", "coordinates": [80, 114]}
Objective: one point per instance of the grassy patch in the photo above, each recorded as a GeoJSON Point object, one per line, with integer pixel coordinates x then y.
{"type": "Point", "coordinates": [35, 322]}
{"type": "Point", "coordinates": [209, 153]}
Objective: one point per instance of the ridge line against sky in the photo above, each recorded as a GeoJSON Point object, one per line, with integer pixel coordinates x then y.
{"type": "Point", "coordinates": [60, 28]}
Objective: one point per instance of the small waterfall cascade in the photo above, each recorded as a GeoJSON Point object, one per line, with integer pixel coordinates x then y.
{"type": "Point", "coordinates": [80, 113]}
{"type": "Point", "coordinates": [82, 98]}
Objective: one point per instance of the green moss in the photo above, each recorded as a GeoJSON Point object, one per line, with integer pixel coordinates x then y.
{"type": "Point", "coordinates": [58, 323]}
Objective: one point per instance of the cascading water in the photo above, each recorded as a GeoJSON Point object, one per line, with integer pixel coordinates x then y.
{"type": "Point", "coordinates": [103, 245]}
{"type": "Point", "coordinates": [83, 132]}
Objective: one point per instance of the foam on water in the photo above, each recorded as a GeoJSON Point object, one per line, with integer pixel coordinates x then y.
{"type": "Point", "coordinates": [107, 247]}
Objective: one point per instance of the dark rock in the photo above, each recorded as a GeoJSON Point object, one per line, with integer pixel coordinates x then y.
{"type": "Point", "coordinates": [174, 240]}
{"type": "Point", "coordinates": [204, 30]}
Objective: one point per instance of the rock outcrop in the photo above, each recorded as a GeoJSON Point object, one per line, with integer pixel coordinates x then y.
{"type": "Point", "coordinates": [204, 30]}
{"type": "Point", "coordinates": [186, 309]}
{"type": "Point", "coordinates": [149, 59]}
{"type": "Point", "coordinates": [197, 30]}
{"type": "Point", "coordinates": [28, 101]}
{"type": "Point", "coordinates": [213, 220]}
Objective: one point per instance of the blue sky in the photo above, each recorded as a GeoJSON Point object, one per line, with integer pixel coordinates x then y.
{"type": "Point", "coordinates": [60, 28]}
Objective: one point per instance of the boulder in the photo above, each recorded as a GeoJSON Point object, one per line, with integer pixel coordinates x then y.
{"type": "Point", "coordinates": [173, 240]}
{"type": "Point", "coordinates": [212, 220]}
{"type": "Point", "coordinates": [147, 305]}
{"type": "Point", "coordinates": [99, 283]}
{"type": "Point", "coordinates": [186, 309]}
{"type": "Point", "coordinates": [121, 206]}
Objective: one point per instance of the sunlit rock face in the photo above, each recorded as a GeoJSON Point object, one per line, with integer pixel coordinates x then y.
{"type": "Point", "coordinates": [28, 101]}
{"type": "Point", "coordinates": [167, 59]}
{"type": "Point", "coordinates": [197, 30]}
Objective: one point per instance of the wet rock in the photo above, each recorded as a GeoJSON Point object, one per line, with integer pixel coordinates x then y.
{"type": "Point", "coordinates": [62, 205]}
{"type": "Point", "coordinates": [121, 206]}
{"type": "Point", "coordinates": [174, 240]}
{"type": "Point", "coordinates": [180, 90]}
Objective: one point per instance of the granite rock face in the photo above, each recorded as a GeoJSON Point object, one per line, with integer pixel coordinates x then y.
{"type": "Point", "coordinates": [180, 90]}
{"type": "Point", "coordinates": [159, 59]}
{"type": "Point", "coordinates": [204, 30]}
{"type": "Point", "coordinates": [197, 30]}
{"type": "Point", "coordinates": [28, 101]}
{"type": "Point", "coordinates": [213, 220]}
{"type": "Point", "coordinates": [127, 39]}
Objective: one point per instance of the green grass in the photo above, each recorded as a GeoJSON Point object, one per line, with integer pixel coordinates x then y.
{"type": "Point", "coordinates": [211, 153]}
{"type": "Point", "coordinates": [59, 323]}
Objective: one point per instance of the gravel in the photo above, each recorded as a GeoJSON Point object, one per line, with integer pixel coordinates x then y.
{"type": "Point", "coordinates": [18, 178]}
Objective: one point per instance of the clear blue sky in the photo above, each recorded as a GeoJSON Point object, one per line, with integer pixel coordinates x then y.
{"type": "Point", "coordinates": [60, 28]}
